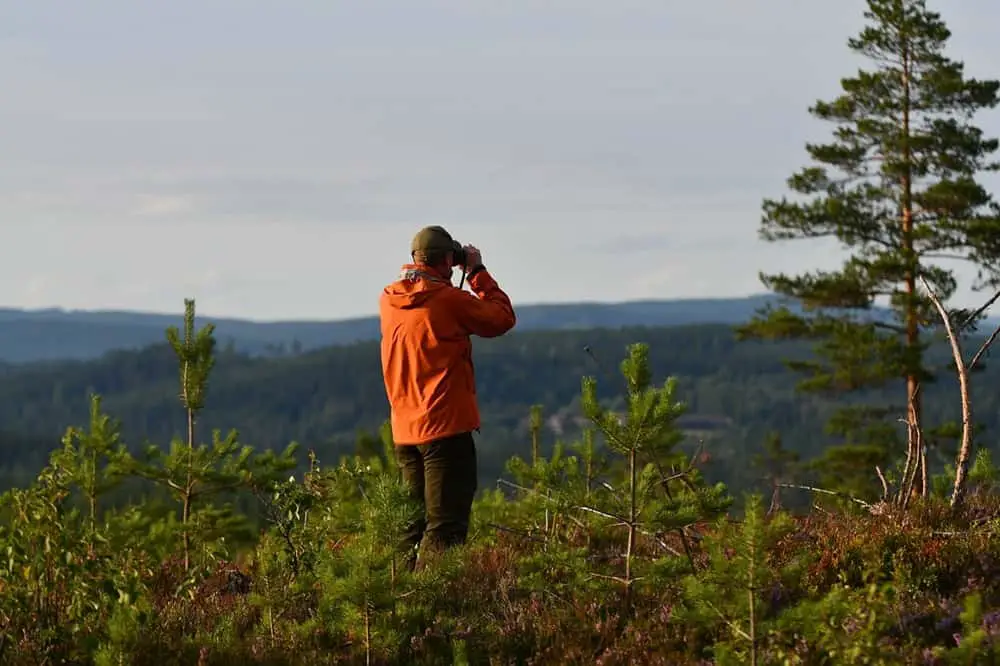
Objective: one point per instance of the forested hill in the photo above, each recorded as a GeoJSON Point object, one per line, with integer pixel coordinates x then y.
{"type": "Point", "coordinates": [30, 335]}
{"type": "Point", "coordinates": [736, 391]}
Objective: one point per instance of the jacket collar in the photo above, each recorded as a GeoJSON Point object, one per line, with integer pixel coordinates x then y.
{"type": "Point", "coordinates": [412, 272]}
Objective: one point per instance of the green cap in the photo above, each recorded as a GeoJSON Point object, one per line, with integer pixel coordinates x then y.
{"type": "Point", "coordinates": [433, 238]}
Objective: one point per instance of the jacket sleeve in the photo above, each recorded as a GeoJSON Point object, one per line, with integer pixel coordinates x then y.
{"type": "Point", "coordinates": [488, 316]}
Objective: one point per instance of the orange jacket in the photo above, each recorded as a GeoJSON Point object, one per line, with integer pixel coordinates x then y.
{"type": "Point", "coordinates": [427, 352]}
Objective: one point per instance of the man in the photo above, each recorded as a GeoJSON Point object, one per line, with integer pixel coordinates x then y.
{"type": "Point", "coordinates": [429, 379]}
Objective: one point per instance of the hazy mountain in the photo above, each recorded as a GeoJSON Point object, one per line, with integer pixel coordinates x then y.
{"type": "Point", "coordinates": [32, 335]}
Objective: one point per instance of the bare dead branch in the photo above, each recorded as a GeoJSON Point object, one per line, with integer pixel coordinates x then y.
{"type": "Point", "coordinates": [520, 533]}
{"type": "Point", "coordinates": [985, 347]}
{"type": "Point", "coordinates": [617, 579]}
{"type": "Point", "coordinates": [915, 455]}
{"type": "Point", "coordinates": [904, 479]}
{"type": "Point", "coordinates": [817, 507]}
{"type": "Point", "coordinates": [604, 514]}
{"type": "Point", "coordinates": [964, 452]}
{"type": "Point", "coordinates": [824, 491]}
{"type": "Point", "coordinates": [885, 486]}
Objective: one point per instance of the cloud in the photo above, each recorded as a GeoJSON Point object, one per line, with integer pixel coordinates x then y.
{"type": "Point", "coordinates": [274, 158]}
{"type": "Point", "coordinates": [157, 205]}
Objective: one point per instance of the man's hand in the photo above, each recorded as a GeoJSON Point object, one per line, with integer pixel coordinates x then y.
{"type": "Point", "coordinates": [473, 257]}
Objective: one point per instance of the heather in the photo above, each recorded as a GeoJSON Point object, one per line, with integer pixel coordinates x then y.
{"type": "Point", "coordinates": [614, 549]}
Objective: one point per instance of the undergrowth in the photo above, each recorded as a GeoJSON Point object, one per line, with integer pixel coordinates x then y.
{"type": "Point", "coordinates": [614, 554]}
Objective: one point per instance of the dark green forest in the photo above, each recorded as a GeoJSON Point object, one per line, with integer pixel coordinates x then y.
{"type": "Point", "coordinates": [737, 393]}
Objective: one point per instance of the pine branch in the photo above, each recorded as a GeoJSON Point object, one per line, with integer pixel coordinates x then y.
{"type": "Point", "coordinates": [979, 311]}
{"type": "Point", "coordinates": [945, 257]}
{"type": "Point", "coordinates": [894, 328]}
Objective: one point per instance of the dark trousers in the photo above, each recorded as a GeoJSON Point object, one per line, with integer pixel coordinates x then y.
{"type": "Point", "coordinates": [442, 478]}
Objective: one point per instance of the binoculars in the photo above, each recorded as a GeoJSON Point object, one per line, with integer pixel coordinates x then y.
{"type": "Point", "coordinates": [460, 257]}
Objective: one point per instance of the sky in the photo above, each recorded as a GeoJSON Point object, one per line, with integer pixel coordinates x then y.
{"type": "Point", "coordinates": [273, 158]}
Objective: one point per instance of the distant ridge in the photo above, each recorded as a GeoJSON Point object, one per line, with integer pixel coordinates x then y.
{"type": "Point", "coordinates": [697, 307]}
{"type": "Point", "coordinates": [60, 334]}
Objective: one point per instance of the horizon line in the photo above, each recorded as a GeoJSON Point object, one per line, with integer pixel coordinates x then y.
{"type": "Point", "coordinates": [57, 309]}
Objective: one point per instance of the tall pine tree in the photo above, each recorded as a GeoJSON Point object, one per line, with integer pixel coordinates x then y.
{"type": "Point", "coordinates": [897, 187]}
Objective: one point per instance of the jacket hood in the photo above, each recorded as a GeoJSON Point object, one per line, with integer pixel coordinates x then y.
{"type": "Point", "coordinates": [416, 284]}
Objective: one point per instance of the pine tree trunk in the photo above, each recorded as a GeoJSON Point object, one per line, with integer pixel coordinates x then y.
{"type": "Point", "coordinates": [186, 511]}
{"type": "Point", "coordinates": [92, 495]}
{"type": "Point", "coordinates": [368, 636]}
{"type": "Point", "coordinates": [632, 527]}
{"type": "Point", "coordinates": [915, 450]}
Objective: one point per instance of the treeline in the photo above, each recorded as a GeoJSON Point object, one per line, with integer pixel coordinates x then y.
{"type": "Point", "coordinates": [332, 400]}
